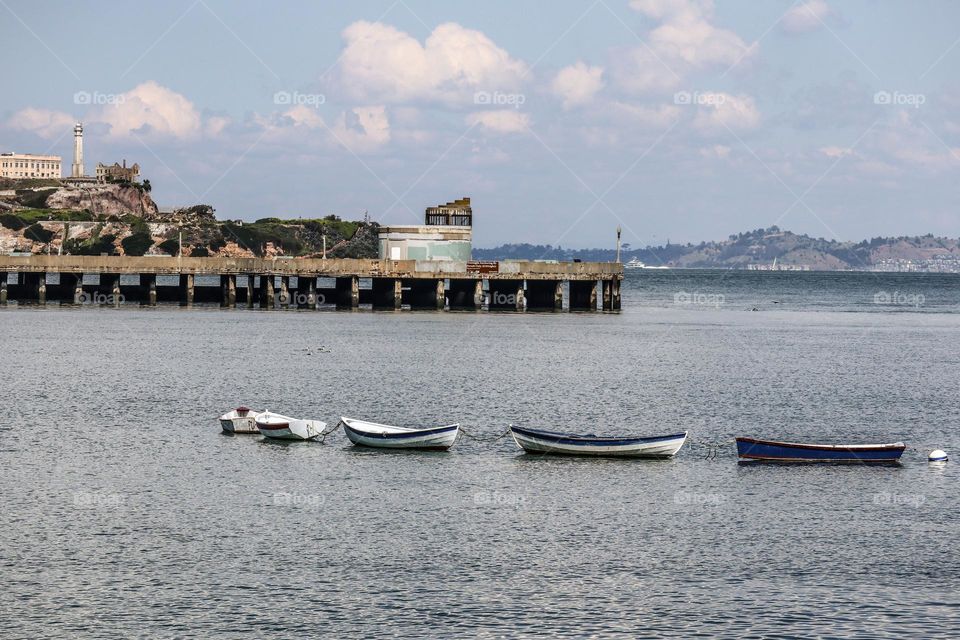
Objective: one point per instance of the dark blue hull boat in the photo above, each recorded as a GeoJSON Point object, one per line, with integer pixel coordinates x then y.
{"type": "Point", "coordinates": [773, 451]}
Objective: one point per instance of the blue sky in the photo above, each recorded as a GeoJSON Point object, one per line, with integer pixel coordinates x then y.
{"type": "Point", "coordinates": [676, 119]}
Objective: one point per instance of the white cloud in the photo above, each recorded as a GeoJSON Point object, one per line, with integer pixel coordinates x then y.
{"type": "Point", "coordinates": [835, 152]}
{"type": "Point", "coordinates": [363, 128]}
{"type": "Point", "coordinates": [804, 17]}
{"type": "Point", "coordinates": [654, 117]}
{"type": "Point", "coordinates": [150, 109]}
{"type": "Point", "coordinates": [685, 41]}
{"type": "Point", "coordinates": [577, 84]}
{"type": "Point", "coordinates": [727, 112]}
{"type": "Point", "coordinates": [502, 121]}
{"type": "Point", "coordinates": [385, 65]}
{"type": "Point", "coordinates": [718, 151]}
{"type": "Point", "coordinates": [43, 122]}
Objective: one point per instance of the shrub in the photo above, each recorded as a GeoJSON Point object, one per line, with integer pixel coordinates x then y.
{"type": "Point", "coordinates": [11, 221]}
{"type": "Point", "coordinates": [170, 246]}
{"type": "Point", "coordinates": [137, 244]}
{"type": "Point", "coordinates": [199, 251]}
{"type": "Point", "coordinates": [37, 233]}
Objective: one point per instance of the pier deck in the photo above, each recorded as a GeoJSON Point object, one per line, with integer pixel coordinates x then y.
{"type": "Point", "coordinates": [514, 285]}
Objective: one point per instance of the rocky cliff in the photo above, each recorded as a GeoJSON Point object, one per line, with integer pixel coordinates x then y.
{"type": "Point", "coordinates": [98, 199]}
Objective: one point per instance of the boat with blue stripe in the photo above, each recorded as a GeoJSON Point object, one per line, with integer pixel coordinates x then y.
{"type": "Point", "coordinates": [752, 449]}
{"type": "Point", "coordinates": [539, 441]}
{"type": "Point", "coordinates": [385, 436]}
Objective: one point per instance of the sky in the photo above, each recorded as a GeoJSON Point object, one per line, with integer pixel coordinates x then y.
{"type": "Point", "coordinates": [679, 120]}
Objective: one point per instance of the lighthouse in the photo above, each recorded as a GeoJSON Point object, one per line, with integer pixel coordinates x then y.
{"type": "Point", "coordinates": [77, 171]}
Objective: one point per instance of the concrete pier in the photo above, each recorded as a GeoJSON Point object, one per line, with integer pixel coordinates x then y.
{"type": "Point", "coordinates": [428, 284]}
{"type": "Point", "coordinates": [228, 291]}
{"type": "Point", "coordinates": [348, 292]}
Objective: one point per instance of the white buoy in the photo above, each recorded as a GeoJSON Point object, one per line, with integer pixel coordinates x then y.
{"type": "Point", "coordinates": [937, 455]}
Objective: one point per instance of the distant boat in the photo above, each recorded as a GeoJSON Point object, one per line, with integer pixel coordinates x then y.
{"type": "Point", "coordinates": [537, 441]}
{"type": "Point", "coordinates": [274, 425]}
{"type": "Point", "coordinates": [371, 434]}
{"type": "Point", "coordinates": [240, 420]}
{"type": "Point", "coordinates": [774, 451]}
{"type": "Point", "coordinates": [637, 264]}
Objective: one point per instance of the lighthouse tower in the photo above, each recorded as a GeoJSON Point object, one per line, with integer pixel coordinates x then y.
{"type": "Point", "coordinates": [77, 171]}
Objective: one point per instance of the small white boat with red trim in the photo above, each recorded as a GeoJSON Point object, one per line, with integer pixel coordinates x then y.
{"type": "Point", "coordinates": [240, 420]}
{"type": "Point", "coordinates": [274, 425]}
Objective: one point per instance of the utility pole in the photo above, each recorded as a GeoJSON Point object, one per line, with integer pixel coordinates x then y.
{"type": "Point", "coordinates": [618, 243]}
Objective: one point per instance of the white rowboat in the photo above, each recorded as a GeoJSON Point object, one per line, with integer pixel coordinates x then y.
{"type": "Point", "coordinates": [371, 434]}
{"type": "Point", "coordinates": [276, 426]}
{"type": "Point", "coordinates": [537, 441]}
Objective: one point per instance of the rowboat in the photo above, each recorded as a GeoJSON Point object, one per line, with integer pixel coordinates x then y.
{"type": "Point", "coordinates": [537, 441]}
{"type": "Point", "coordinates": [771, 450]}
{"type": "Point", "coordinates": [371, 434]}
{"type": "Point", "coordinates": [240, 420]}
{"type": "Point", "coordinates": [274, 425]}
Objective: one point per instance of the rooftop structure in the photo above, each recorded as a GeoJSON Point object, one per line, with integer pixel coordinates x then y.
{"type": "Point", "coordinates": [446, 235]}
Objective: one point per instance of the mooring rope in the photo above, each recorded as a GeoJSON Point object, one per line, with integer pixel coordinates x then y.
{"type": "Point", "coordinates": [465, 433]}
{"type": "Point", "coordinates": [323, 436]}
{"type": "Point", "coordinates": [713, 448]}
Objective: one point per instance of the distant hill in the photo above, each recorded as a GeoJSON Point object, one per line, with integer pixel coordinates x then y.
{"type": "Point", "coordinates": [760, 248]}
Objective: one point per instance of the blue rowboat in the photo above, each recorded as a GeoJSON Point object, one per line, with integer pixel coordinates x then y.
{"type": "Point", "coordinates": [773, 451]}
{"type": "Point", "coordinates": [385, 436]}
{"type": "Point", "coordinates": [537, 441]}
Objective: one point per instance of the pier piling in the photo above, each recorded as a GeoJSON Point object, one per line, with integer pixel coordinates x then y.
{"type": "Point", "coordinates": [387, 293]}
{"type": "Point", "coordinates": [544, 295]}
{"type": "Point", "coordinates": [284, 300]}
{"type": "Point", "coordinates": [465, 294]}
{"type": "Point", "coordinates": [607, 295]}
{"type": "Point", "coordinates": [306, 292]}
{"type": "Point", "coordinates": [34, 286]}
{"type": "Point", "coordinates": [348, 292]}
{"type": "Point", "coordinates": [266, 292]}
{"type": "Point", "coordinates": [426, 293]}
{"type": "Point", "coordinates": [583, 295]}
{"type": "Point", "coordinates": [251, 290]}
{"type": "Point", "coordinates": [148, 289]}
{"type": "Point", "coordinates": [71, 287]}
{"type": "Point", "coordinates": [186, 289]}
{"type": "Point", "coordinates": [228, 290]}
{"type": "Point", "coordinates": [3, 287]}
{"type": "Point", "coordinates": [507, 294]}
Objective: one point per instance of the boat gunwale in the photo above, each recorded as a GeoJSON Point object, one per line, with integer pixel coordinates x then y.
{"type": "Point", "coordinates": [854, 448]}
{"type": "Point", "coordinates": [593, 439]}
{"type": "Point", "coordinates": [402, 433]}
